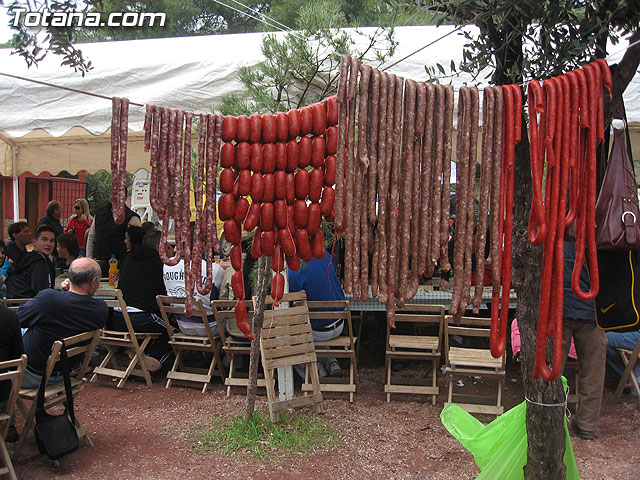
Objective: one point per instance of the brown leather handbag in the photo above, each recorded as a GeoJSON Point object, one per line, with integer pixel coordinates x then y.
{"type": "Point", "coordinates": [617, 214]}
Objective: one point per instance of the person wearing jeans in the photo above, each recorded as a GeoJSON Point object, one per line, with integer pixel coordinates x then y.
{"type": "Point", "coordinates": [626, 340]}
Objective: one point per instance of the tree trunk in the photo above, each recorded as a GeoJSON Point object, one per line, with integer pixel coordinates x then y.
{"type": "Point", "coordinates": [264, 265]}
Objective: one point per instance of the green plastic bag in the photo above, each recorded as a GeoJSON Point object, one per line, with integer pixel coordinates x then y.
{"type": "Point", "coordinates": [499, 448]}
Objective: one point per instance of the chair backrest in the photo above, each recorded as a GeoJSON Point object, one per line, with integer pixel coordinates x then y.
{"type": "Point", "coordinates": [293, 298]}
{"type": "Point", "coordinates": [80, 344]}
{"type": "Point", "coordinates": [424, 315]}
{"type": "Point", "coordinates": [468, 327]}
{"type": "Point", "coordinates": [14, 303]}
{"type": "Point", "coordinates": [175, 305]}
{"type": "Point", "coordinates": [286, 337]}
{"type": "Point", "coordinates": [12, 370]}
{"type": "Point", "coordinates": [113, 298]}
{"type": "Point", "coordinates": [332, 310]}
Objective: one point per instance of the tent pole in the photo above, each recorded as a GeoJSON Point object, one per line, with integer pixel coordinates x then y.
{"type": "Point", "coordinates": [14, 174]}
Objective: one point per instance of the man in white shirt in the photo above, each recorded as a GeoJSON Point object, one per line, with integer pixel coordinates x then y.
{"type": "Point", "coordinates": [174, 282]}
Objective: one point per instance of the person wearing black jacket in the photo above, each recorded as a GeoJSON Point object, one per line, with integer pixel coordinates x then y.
{"type": "Point", "coordinates": [10, 349]}
{"type": "Point", "coordinates": [140, 281]}
{"type": "Point", "coordinates": [34, 271]}
{"type": "Point", "coordinates": [52, 218]}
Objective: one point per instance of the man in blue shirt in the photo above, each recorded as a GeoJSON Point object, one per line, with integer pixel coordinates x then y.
{"type": "Point", "coordinates": [319, 280]}
{"type": "Point", "coordinates": [52, 315]}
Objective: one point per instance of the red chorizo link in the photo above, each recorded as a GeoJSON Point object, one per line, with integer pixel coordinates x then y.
{"type": "Point", "coordinates": [292, 156]}
{"type": "Point", "coordinates": [256, 247]}
{"type": "Point", "coordinates": [242, 128]}
{"type": "Point", "coordinates": [306, 121]}
{"type": "Point", "coordinates": [319, 118]}
{"type": "Point", "coordinates": [255, 128]}
{"type": "Point", "coordinates": [330, 171]}
{"type": "Point", "coordinates": [268, 158]}
{"type": "Point", "coordinates": [331, 141]}
{"type": "Point", "coordinates": [252, 218]}
{"type": "Point", "coordinates": [332, 111]}
{"type": "Point", "coordinates": [282, 127]}
{"type": "Point", "coordinates": [268, 194]}
{"type": "Point", "coordinates": [255, 163]}
{"type": "Point", "coordinates": [294, 123]}
{"type": "Point", "coordinates": [229, 128]}
{"type": "Point", "coordinates": [281, 156]}
{"type": "Point", "coordinates": [240, 212]}
{"type": "Point", "coordinates": [290, 184]}
{"type": "Point", "coordinates": [318, 148]}
{"type": "Point", "coordinates": [305, 151]}
{"type": "Point", "coordinates": [268, 128]}
{"type": "Point", "coordinates": [317, 245]}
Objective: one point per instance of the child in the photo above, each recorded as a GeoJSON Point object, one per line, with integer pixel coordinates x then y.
{"type": "Point", "coordinates": [4, 268]}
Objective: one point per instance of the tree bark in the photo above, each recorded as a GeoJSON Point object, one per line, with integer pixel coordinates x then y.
{"type": "Point", "coordinates": [264, 265]}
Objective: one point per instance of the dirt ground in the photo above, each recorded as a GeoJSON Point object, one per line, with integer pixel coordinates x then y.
{"type": "Point", "coordinates": [138, 432]}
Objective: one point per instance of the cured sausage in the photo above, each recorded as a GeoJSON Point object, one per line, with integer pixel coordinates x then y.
{"type": "Point", "coordinates": [268, 128]}
{"type": "Point", "coordinates": [227, 179]}
{"type": "Point", "coordinates": [290, 185]}
{"type": "Point", "coordinates": [237, 282]}
{"type": "Point", "coordinates": [317, 152]}
{"type": "Point", "coordinates": [235, 255]}
{"type": "Point", "coordinates": [330, 171]}
{"type": "Point", "coordinates": [241, 210]}
{"type": "Point", "coordinates": [305, 149]}
{"type": "Point", "coordinates": [425, 264]}
{"type": "Point", "coordinates": [244, 182]}
{"type": "Point", "coordinates": [331, 140]}
{"type": "Point", "coordinates": [363, 153]}
{"type": "Point", "coordinates": [306, 121]}
{"type": "Point", "coordinates": [266, 242]}
{"type": "Point", "coordinates": [281, 156]}
{"type": "Point", "coordinates": [303, 247]}
{"type": "Point", "coordinates": [268, 194]}
{"type": "Point", "coordinates": [277, 260]}
{"type": "Point", "coordinates": [302, 184]}
{"type": "Point", "coordinates": [314, 219]}
{"type": "Point", "coordinates": [256, 157]}
{"type": "Point", "coordinates": [286, 242]}
{"type": "Point", "coordinates": [374, 116]}
{"type": "Point", "coordinates": [255, 128]}
{"type": "Point", "coordinates": [229, 126]}
{"type": "Point", "coordinates": [257, 187]}
{"type": "Point", "coordinates": [148, 122]}
{"type": "Point", "coordinates": [446, 176]}
{"type": "Point", "coordinates": [253, 217]}
{"type": "Point", "coordinates": [280, 213]}
{"type": "Point", "coordinates": [328, 198]}
{"type": "Point", "coordinates": [332, 111]}
{"type": "Point", "coordinates": [300, 213]}
{"type": "Point", "coordinates": [319, 118]}
{"type": "Point", "coordinates": [242, 129]}
{"type": "Point", "coordinates": [292, 156]}
{"type": "Point", "coordinates": [438, 154]}
{"type": "Point", "coordinates": [282, 127]}
{"type": "Point", "coordinates": [256, 248]}
{"type": "Point", "coordinates": [241, 319]}
{"type": "Point", "coordinates": [266, 216]}
{"type": "Point", "coordinates": [268, 158]}
{"type": "Point", "coordinates": [232, 231]}
{"type": "Point", "coordinates": [316, 180]}
{"type": "Point", "coordinates": [317, 245]}
{"type": "Point", "coordinates": [227, 206]}
{"type": "Point", "coordinates": [342, 100]}
{"type": "Point", "coordinates": [293, 262]}
{"type": "Point", "coordinates": [280, 181]}
{"type": "Point", "coordinates": [294, 123]}
{"type": "Point", "coordinates": [277, 288]}
{"type": "Point", "coordinates": [228, 155]}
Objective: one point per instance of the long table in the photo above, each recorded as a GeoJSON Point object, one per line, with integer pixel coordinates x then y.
{"type": "Point", "coordinates": [435, 297]}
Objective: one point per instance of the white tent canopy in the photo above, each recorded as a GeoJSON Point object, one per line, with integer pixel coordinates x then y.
{"type": "Point", "coordinates": [49, 129]}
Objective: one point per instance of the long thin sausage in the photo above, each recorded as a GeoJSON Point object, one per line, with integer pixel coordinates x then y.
{"type": "Point", "coordinates": [425, 264]}
{"type": "Point", "coordinates": [437, 183]}
{"type": "Point", "coordinates": [373, 122]}
{"type": "Point", "coordinates": [342, 128]}
{"type": "Point", "coordinates": [446, 177]}
{"type": "Point", "coordinates": [363, 116]}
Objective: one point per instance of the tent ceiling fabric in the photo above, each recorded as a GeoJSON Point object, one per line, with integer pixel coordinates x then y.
{"type": "Point", "coordinates": [191, 73]}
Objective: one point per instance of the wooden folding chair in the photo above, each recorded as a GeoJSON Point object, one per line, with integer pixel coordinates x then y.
{"type": "Point", "coordinates": [14, 303]}
{"type": "Point", "coordinates": [462, 361]}
{"type": "Point", "coordinates": [628, 379]}
{"type": "Point", "coordinates": [12, 370]}
{"type": "Point", "coordinates": [224, 313]}
{"type": "Point", "coordinates": [133, 341]}
{"type": "Point", "coordinates": [339, 347]}
{"type": "Point", "coordinates": [286, 340]}
{"type": "Point", "coordinates": [180, 342]}
{"type": "Point", "coordinates": [78, 346]}
{"type": "Point", "coordinates": [424, 344]}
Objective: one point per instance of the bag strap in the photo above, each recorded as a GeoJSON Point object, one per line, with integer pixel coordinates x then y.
{"type": "Point", "coordinates": [64, 360]}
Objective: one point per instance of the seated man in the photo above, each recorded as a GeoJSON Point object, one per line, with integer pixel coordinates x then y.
{"type": "Point", "coordinates": [34, 271]}
{"type": "Point", "coordinates": [140, 282]}
{"type": "Point", "coordinates": [626, 340]}
{"type": "Point", "coordinates": [21, 236]}
{"type": "Point", "coordinates": [174, 283]}
{"type": "Point", "coordinates": [53, 315]}
{"type": "Point", "coordinates": [319, 280]}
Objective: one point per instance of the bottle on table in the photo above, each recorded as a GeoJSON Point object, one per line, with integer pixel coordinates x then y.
{"type": "Point", "coordinates": [113, 271]}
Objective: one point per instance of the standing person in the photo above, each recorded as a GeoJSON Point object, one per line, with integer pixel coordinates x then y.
{"type": "Point", "coordinates": [140, 282]}
{"type": "Point", "coordinates": [174, 282]}
{"type": "Point", "coordinates": [52, 218]}
{"type": "Point", "coordinates": [10, 349]}
{"type": "Point", "coordinates": [21, 236]}
{"type": "Point", "coordinates": [106, 238]}
{"type": "Point", "coordinates": [68, 249]}
{"type": "Point", "coordinates": [319, 280]}
{"type": "Point", "coordinates": [34, 271]}
{"type": "Point", "coordinates": [53, 315]}
{"type": "Point", "coordinates": [80, 222]}
{"type": "Point", "coordinates": [579, 322]}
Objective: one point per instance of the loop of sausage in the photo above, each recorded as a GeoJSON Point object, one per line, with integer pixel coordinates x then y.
{"type": "Point", "coordinates": [488, 100]}
{"type": "Point", "coordinates": [537, 224]}
{"type": "Point", "coordinates": [392, 271]}
{"type": "Point", "coordinates": [340, 155]}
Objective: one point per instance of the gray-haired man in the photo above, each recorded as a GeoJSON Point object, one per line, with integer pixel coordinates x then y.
{"type": "Point", "coordinates": [52, 315]}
